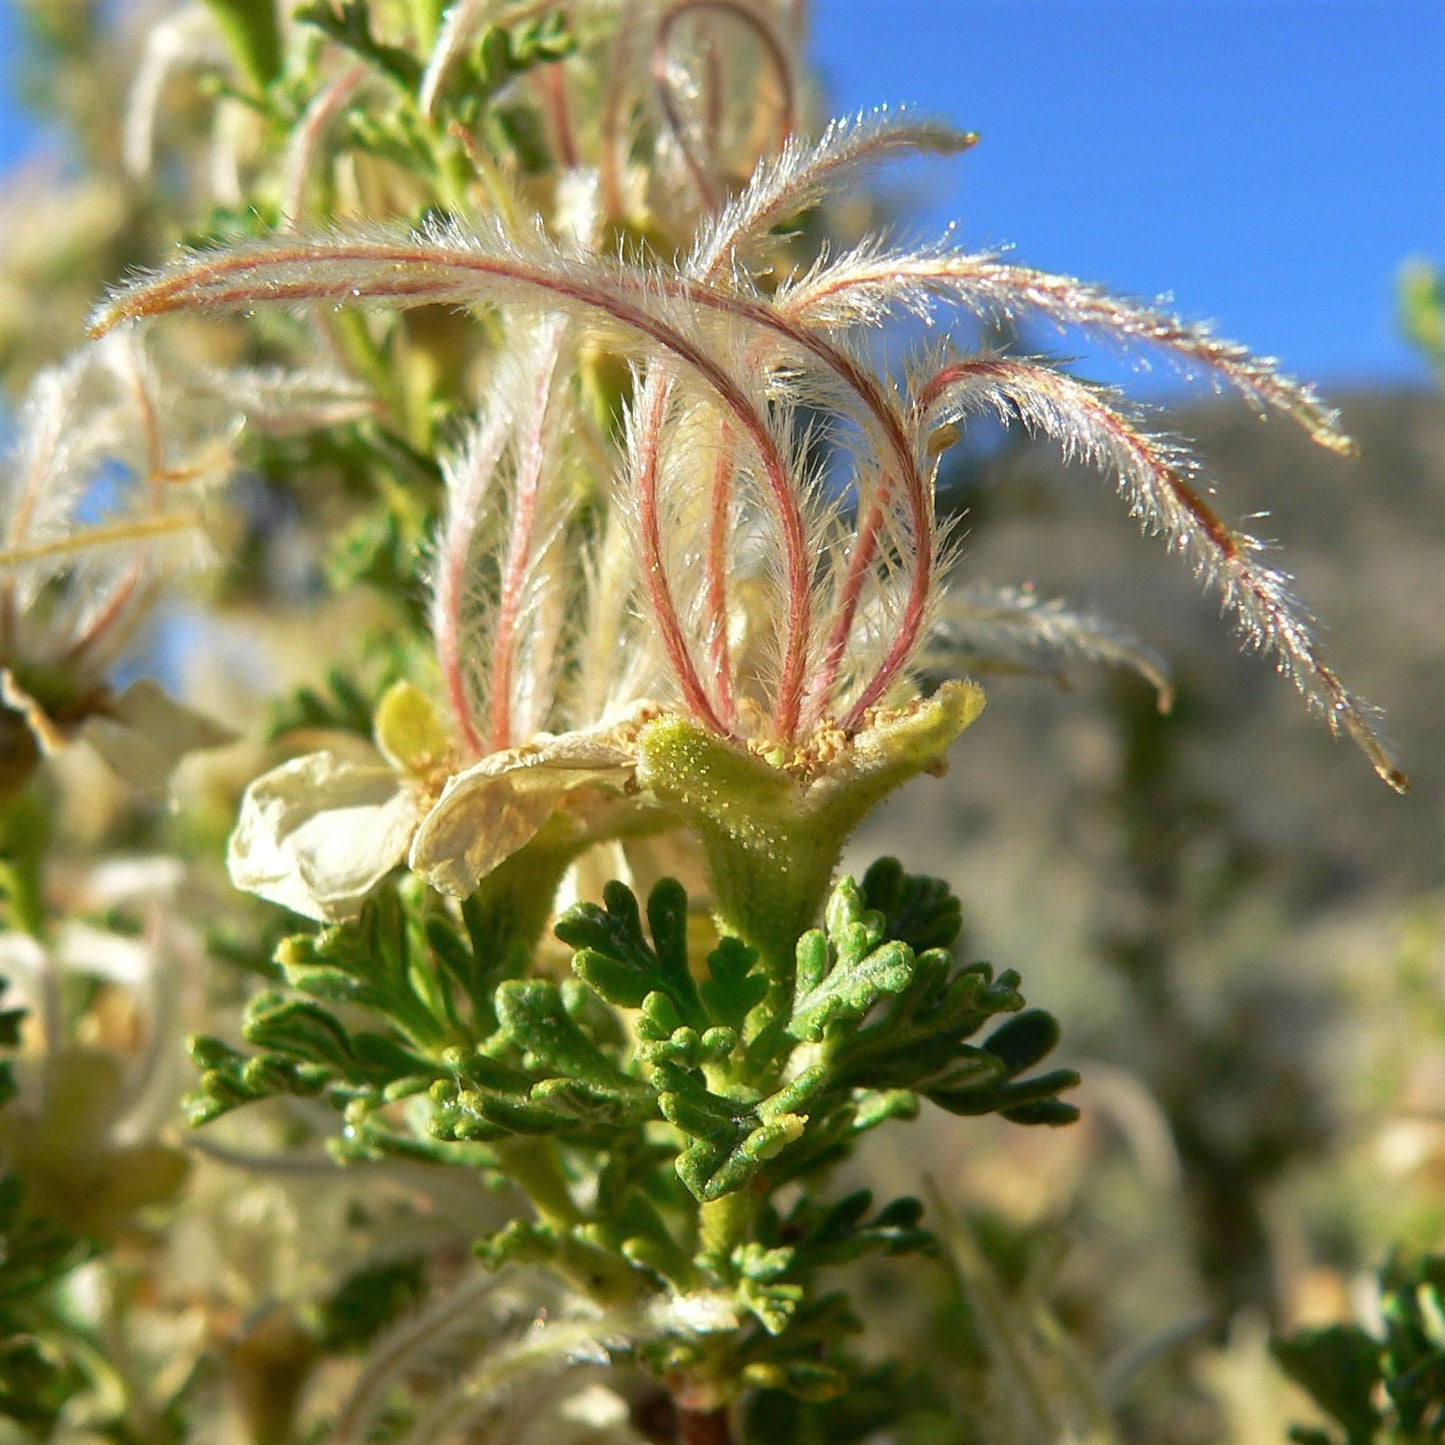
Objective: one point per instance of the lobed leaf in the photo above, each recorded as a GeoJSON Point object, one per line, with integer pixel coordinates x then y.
{"type": "Point", "coordinates": [534, 1020]}
{"type": "Point", "coordinates": [922, 912]}
{"type": "Point", "coordinates": [845, 968]}
{"type": "Point", "coordinates": [736, 984]}
{"type": "Point", "coordinates": [614, 957]}
{"type": "Point", "coordinates": [230, 1079]}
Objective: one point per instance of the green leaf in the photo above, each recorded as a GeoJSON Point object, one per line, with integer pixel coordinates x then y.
{"type": "Point", "coordinates": [26, 824]}
{"type": "Point", "coordinates": [1340, 1367]}
{"type": "Point", "coordinates": [299, 1028]}
{"type": "Point", "coordinates": [572, 1251]}
{"type": "Point", "coordinates": [376, 548]}
{"type": "Point", "coordinates": [873, 1107]}
{"type": "Point", "coordinates": [614, 958]}
{"type": "Point", "coordinates": [382, 962]}
{"type": "Point", "coordinates": [843, 970]}
{"type": "Point", "coordinates": [762, 1289]}
{"type": "Point", "coordinates": [47, 1354]}
{"type": "Point", "coordinates": [343, 706]}
{"type": "Point", "coordinates": [741, 1163]}
{"type": "Point", "coordinates": [804, 1359]}
{"type": "Point", "coordinates": [35, 1250]}
{"type": "Point", "coordinates": [12, 1191]}
{"type": "Point", "coordinates": [1023, 1040]}
{"type": "Point", "coordinates": [350, 26]}
{"type": "Point", "coordinates": [1046, 1110]}
{"type": "Point", "coordinates": [880, 1401]}
{"type": "Point", "coordinates": [688, 1103]}
{"type": "Point", "coordinates": [659, 1042]}
{"type": "Point", "coordinates": [380, 1059]}
{"type": "Point", "coordinates": [311, 1035]}
{"type": "Point", "coordinates": [736, 984]}
{"type": "Point", "coordinates": [1021, 1101]}
{"type": "Point", "coordinates": [921, 912]}
{"type": "Point", "coordinates": [36, 1381]}
{"type": "Point", "coordinates": [369, 1300]}
{"type": "Point", "coordinates": [502, 54]}
{"type": "Point", "coordinates": [11, 1021]}
{"type": "Point", "coordinates": [480, 1117]}
{"type": "Point", "coordinates": [253, 33]}
{"type": "Point", "coordinates": [606, 1109]}
{"type": "Point", "coordinates": [1413, 1359]}
{"type": "Point", "coordinates": [913, 1013]}
{"type": "Point", "coordinates": [518, 1242]}
{"type": "Point", "coordinates": [398, 136]}
{"type": "Point", "coordinates": [534, 1020]}
{"type": "Point", "coordinates": [230, 1079]}
{"type": "Point", "coordinates": [917, 1040]}
{"type": "Point", "coordinates": [519, 129]}
{"type": "Point", "coordinates": [819, 1235]}
{"type": "Point", "coordinates": [478, 1069]}
{"type": "Point", "coordinates": [647, 1242]}
{"type": "Point", "coordinates": [730, 1141]}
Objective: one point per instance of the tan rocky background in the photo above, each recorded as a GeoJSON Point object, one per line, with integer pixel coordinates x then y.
{"type": "Point", "coordinates": [1240, 928]}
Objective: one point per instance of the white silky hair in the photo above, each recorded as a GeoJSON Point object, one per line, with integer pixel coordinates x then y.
{"type": "Point", "coordinates": [727, 368]}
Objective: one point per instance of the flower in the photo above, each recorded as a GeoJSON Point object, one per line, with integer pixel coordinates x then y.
{"type": "Point", "coordinates": [318, 833]}
{"type": "Point", "coordinates": [773, 593]}
{"type": "Point", "coordinates": [86, 1129]}
{"type": "Point", "coordinates": [97, 506]}
{"type": "Point", "coordinates": [105, 497]}
{"type": "Point", "coordinates": [573, 785]}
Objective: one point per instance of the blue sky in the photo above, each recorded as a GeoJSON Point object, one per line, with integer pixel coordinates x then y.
{"type": "Point", "coordinates": [1268, 162]}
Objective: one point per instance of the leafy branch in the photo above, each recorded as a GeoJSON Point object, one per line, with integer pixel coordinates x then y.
{"type": "Point", "coordinates": [1378, 1391]}
{"type": "Point", "coordinates": [667, 1081]}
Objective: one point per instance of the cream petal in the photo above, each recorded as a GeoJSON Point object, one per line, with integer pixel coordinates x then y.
{"type": "Point", "coordinates": [488, 812]}
{"type": "Point", "coordinates": [143, 734]}
{"type": "Point", "coordinates": [79, 948]}
{"type": "Point", "coordinates": [317, 834]}
{"type": "Point", "coordinates": [23, 969]}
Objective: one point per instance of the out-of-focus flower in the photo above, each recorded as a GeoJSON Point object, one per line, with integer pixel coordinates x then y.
{"type": "Point", "coordinates": [319, 832]}
{"type": "Point", "coordinates": [66, 1148]}
{"type": "Point", "coordinates": [104, 497]}
{"type": "Point", "coordinates": [96, 507]}
{"type": "Point", "coordinates": [81, 1132]}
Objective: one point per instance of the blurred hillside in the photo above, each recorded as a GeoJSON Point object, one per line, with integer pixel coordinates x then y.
{"type": "Point", "coordinates": [1240, 928]}
{"type": "Point", "coordinates": [1023, 823]}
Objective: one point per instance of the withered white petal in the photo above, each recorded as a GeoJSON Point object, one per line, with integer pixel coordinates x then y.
{"type": "Point", "coordinates": [317, 834]}
{"type": "Point", "coordinates": [80, 948]}
{"type": "Point", "coordinates": [22, 966]}
{"type": "Point", "coordinates": [488, 812]}
{"type": "Point", "coordinates": [143, 734]}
